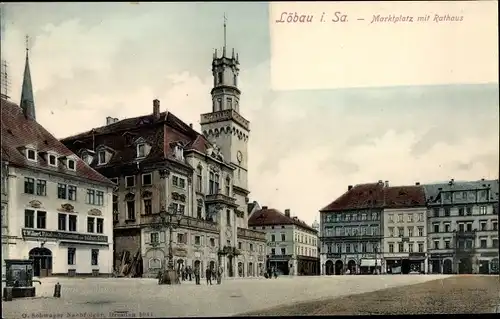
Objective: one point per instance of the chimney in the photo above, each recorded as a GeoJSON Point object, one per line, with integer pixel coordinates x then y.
{"type": "Point", "coordinates": [417, 183]}
{"type": "Point", "coordinates": [156, 108]}
{"type": "Point", "coordinates": [482, 179]}
{"type": "Point", "coordinates": [109, 120]}
{"type": "Point", "coordinates": [349, 187]}
{"type": "Point", "coordinates": [264, 207]}
{"type": "Point", "coordinates": [287, 212]}
{"type": "Point", "coordinates": [451, 181]}
{"type": "Point", "coordinates": [380, 181]}
{"type": "Point", "coordinates": [386, 183]}
{"type": "Point", "coordinates": [191, 125]}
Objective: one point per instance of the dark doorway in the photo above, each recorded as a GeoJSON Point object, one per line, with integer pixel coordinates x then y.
{"type": "Point", "coordinates": [351, 265]}
{"type": "Point", "coordinates": [339, 267]}
{"type": "Point", "coordinates": [484, 267]}
{"type": "Point", "coordinates": [447, 267]}
{"type": "Point", "coordinates": [42, 261]}
{"type": "Point", "coordinates": [465, 266]}
{"type": "Point", "coordinates": [230, 267]}
{"type": "Point", "coordinates": [329, 268]}
{"type": "Point", "coordinates": [436, 266]}
{"type": "Point", "coordinates": [405, 266]}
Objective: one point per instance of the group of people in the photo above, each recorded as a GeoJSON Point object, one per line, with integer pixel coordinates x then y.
{"type": "Point", "coordinates": [187, 273]}
{"type": "Point", "coordinates": [271, 272]}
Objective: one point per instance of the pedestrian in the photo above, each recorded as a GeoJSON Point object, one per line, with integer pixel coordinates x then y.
{"type": "Point", "coordinates": [190, 273]}
{"type": "Point", "coordinates": [208, 274]}
{"type": "Point", "coordinates": [184, 274]}
{"type": "Point", "coordinates": [197, 275]}
{"type": "Point", "coordinates": [275, 273]}
{"type": "Point", "coordinates": [219, 275]}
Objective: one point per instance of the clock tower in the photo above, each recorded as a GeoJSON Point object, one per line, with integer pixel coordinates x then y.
{"type": "Point", "coordinates": [225, 126]}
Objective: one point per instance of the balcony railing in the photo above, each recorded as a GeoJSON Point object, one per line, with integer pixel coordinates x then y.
{"type": "Point", "coordinates": [219, 198]}
{"type": "Point", "coordinates": [253, 234]}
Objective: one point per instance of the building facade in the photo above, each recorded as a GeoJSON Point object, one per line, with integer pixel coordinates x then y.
{"type": "Point", "coordinates": [291, 243]}
{"type": "Point", "coordinates": [56, 210]}
{"type": "Point", "coordinates": [159, 162]}
{"type": "Point", "coordinates": [405, 230]}
{"type": "Point", "coordinates": [351, 231]}
{"type": "Point", "coordinates": [463, 227]}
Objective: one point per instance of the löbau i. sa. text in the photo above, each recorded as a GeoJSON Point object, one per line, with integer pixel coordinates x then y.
{"type": "Point", "coordinates": [300, 17]}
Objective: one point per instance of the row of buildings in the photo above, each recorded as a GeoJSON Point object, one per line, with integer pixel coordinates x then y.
{"type": "Point", "coordinates": [447, 227]}
{"type": "Point", "coordinates": [91, 204]}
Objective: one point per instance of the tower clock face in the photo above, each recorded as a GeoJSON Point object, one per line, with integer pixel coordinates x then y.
{"type": "Point", "coordinates": [239, 156]}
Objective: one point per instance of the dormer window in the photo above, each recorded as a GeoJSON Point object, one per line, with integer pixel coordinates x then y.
{"type": "Point", "coordinates": [101, 157]}
{"type": "Point", "coordinates": [141, 150]}
{"type": "Point", "coordinates": [71, 164]}
{"type": "Point", "coordinates": [52, 159]}
{"type": "Point", "coordinates": [31, 154]}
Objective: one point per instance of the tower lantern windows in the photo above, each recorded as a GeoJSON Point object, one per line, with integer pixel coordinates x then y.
{"type": "Point", "coordinates": [219, 78]}
{"type": "Point", "coordinates": [229, 103]}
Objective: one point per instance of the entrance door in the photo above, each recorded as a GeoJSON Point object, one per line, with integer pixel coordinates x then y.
{"type": "Point", "coordinates": [484, 267]}
{"type": "Point", "coordinates": [339, 266]}
{"type": "Point", "coordinates": [42, 261]}
{"type": "Point", "coordinates": [230, 267]}
{"type": "Point", "coordinates": [405, 266]}
{"type": "Point", "coordinates": [447, 266]}
{"type": "Point", "coordinates": [465, 266]}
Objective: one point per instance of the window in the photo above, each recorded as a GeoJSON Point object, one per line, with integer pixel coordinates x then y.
{"type": "Point", "coordinates": [62, 191]}
{"type": "Point", "coordinates": [483, 243]}
{"type": "Point", "coordinates": [41, 187]}
{"type": "Point", "coordinates": [228, 187]}
{"type": "Point", "coordinates": [273, 238]}
{"type": "Point", "coordinates": [235, 80]}
{"type": "Point", "coordinates": [436, 228]}
{"type": "Point", "coordinates": [147, 179]}
{"type": "Point", "coordinates": [219, 77]}
{"type": "Point", "coordinates": [391, 218]}
{"type": "Point", "coordinates": [273, 251]}
{"type": "Point", "coordinates": [420, 231]}
{"type": "Point", "coordinates": [212, 242]}
{"type": "Point", "coordinates": [99, 225]}
{"type": "Point", "coordinates": [72, 222]}
{"type": "Point", "coordinates": [199, 212]}
{"type": "Point", "coordinates": [229, 102]}
{"type": "Point", "coordinates": [469, 226]}
{"type": "Point", "coordinates": [115, 203]}
{"type": "Point", "coordinates": [61, 222]}
{"type": "Point", "coordinates": [147, 207]}
{"type": "Point", "coordinates": [410, 231]}
{"type": "Point", "coordinates": [410, 247]}
{"type": "Point", "coordinates": [31, 155]}
{"type": "Point", "coordinates": [90, 196]}
{"type": "Point", "coordinates": [178, 182]}
{"type": "Point", "coordinates": [95, 257]}
{"type": "Point", "coordinates": [90, 224]}
{"type": "Point", "coordinates": [400, 218]}
{"type": "Point", "coordinates": [446, 211]}
{"type": "Point", "coordinates": [401, 231]}
{"type": "Point", "coordinates": [154, 238]}
{"type": "Point", "coordinates": [461, 227]}
{"type": "Point", "coordinates": [129, 181]}
{"type": "Point", "coordinates": [391, 247]}
{"type": "Point", "coordinates": [41, 219]}
{"type": "Point", "coordinates": [250, 247]}
{"type": "Point", "coordinates": [469, 244]}
{"type": "Point", "coordinates": [447, 228]}
{"type": "Point", "coordinates": [482, 210]}
{"type": "Point", "coordinates": [436, 244]}
{"type": "Point", "coordinates": [197, 240]}
{"type": "Point", "coordinates": [130, 210]}
{"type": "Point", "coordinates": [495, 243]}
{"type": "Point", "coordinates": [71, 255]}
{"type": "Point", "coordinates": [199, 180]}
{"type": "Point", "coordinates": [374, 230]}
{"type": "Point", "coordinates": [347, 248]}
{"type": "Point", "coordinates": [141, 150]}
{"type": "Point", "coordinates": [283, 251]}
{"type": "Point", "coordinates": [100, 198]}
{"type": "Point", "coordinates": [410, 218]}
{"type": "Point", "coordinates": [447, 244]}
{"type": "Point", "coordinates": [283, 237]}
{"type": "Point", "coordinates": [495, 225]}
{"type": "Point", "coordinates": [469, 210]}
{"type": "Point", "coordinates": [181, 238]}
{"type": "Point", "coordinates": [71, 192]}
{"type": "Point", "coordinates": [483, 225]}
{"type": "Point", "coordinates": [435, 212]}
{"type": "Point", "coordinates": [228, 217]}
{"type": "Point", "coordinates": [182, 183]}
{"type": "Point", "coordinates": [101, 157]}
{"type": "Point", "coordinates": [29, 218]}
{"type": "Point", "coordinates": [391, 231]}
{"type": "Point", "coordinates": [420, 217]}
{"type": "Point", "coordinates": [213, 183]}
{"type": "Point", "coordinates": [29, 185]}
{"type": "Point", "coordinates": [461, 211]}
{"type": "Point", "coordinates": [71, 164]}
{"type": "Point", "coordinates": [401, 247]}
{"type": "Point", "coordinates": [219, 105]}
{"type": "Point", "coordinates": [420, 247]}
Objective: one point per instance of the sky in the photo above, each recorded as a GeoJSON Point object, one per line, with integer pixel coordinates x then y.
{"type": "Point", "coordinates": [92, 60]}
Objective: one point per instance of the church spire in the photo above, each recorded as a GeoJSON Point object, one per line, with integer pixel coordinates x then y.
{"type": "Point", "coordinates": [225, 26]}
{"type": "Point", "coordinates": [27, 102]}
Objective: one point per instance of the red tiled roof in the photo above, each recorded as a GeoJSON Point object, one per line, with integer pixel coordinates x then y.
{"type": "Point", "coordinates": [161, 133]}
{"type": "Point", "coordinates": [18, 132]}
{"type": "Point", "coordinates": [271, 216]}
{"type": "Point", "coordinates": [375, 195]}
{"type": "Point", "coordinates": [404, 196]}
{"type": "Point", "coordinates": [360, 196]}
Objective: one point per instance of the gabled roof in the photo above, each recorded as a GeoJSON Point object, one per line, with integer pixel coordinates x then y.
{"type": "Point", "coordinates": [433, 191]}
{"type": "Point", "coordinates": [162, 133]}
{"type": "Point", "coordinates": [273, 217]}
{"type": "Point", "coordinates": [360, 196]}
{"type": "Point", "coordinates": [19, 132]}
{"type": "Point", "coordinates": [404, 196]}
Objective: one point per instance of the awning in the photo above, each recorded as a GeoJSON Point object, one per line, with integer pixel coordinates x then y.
{"type": "Point", "coordinates": [370, 262]}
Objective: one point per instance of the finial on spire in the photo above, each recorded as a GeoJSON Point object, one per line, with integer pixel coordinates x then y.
{"type": "Point", "coordinates": [27, 43]}
{"type": "Point", "coordinates": [224, 48]}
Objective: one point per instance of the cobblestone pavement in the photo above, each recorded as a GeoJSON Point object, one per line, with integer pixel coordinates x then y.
{"type": "Point", "coordinates": [108, 297]}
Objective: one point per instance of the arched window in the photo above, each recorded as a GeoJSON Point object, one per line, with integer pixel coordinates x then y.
{"type": "Point", "coordinates": [199, 179]}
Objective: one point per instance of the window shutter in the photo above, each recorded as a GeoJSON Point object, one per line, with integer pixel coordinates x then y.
{"type": "Point", "coordinates": [162, 237]}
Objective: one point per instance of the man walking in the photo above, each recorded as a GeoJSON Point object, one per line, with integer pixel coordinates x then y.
{"type": "Point", "coordinates": [197, 275]}
{"type": "Point", "coordinates": [208, 274]}
{"type": "Point", "coordinates": [219, 275]}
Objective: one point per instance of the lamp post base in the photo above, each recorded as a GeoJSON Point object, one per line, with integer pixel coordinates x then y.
{"type": "Point", "coordinates": [169, 277]}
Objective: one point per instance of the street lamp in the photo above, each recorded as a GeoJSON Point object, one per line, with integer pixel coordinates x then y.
{"type": "Point", "coordinates": [170, 219]}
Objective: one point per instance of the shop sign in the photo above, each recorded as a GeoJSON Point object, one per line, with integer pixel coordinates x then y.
{"type": "Point", "coordinates": [415, 255]}
{"type": "Point", "coordinates": [335, 256]}
{"type": "Point", "coordinates": [490, 254]}
{"type": "Point", "coordinates": [63, 235]}
{"type": "Point", "coordinates": [438, 256]}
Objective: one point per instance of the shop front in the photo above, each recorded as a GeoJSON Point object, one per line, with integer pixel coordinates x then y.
{"type": "Point", "coordinates": [441, 263]}
{"type": "Point", "coordinates": [416, 263]}
{"type": "Point", "coordinates": [282, 263]}
{"type": "Point", "coordinates": [308, 266]}
{"type": "Point", "coordinates": [368, 266]}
